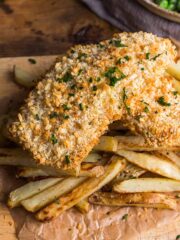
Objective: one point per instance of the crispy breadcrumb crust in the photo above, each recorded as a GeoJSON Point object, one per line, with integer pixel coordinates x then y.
{"type": "Point", "coordinates": [90, 87]}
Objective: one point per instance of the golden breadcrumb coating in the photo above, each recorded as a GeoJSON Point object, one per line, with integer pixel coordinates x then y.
{"type": "Point", "coordinates": [93, 85]}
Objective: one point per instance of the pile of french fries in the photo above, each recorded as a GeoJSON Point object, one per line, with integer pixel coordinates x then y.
{"type": "Point", "coordinates": [122, 170]}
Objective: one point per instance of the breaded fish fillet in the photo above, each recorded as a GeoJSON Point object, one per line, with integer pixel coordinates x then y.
{"type": "Point", "coordinates": [93, 85]}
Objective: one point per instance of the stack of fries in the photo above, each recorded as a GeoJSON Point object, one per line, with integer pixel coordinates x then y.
{"type": "Point", "coordinates": [122, 170]}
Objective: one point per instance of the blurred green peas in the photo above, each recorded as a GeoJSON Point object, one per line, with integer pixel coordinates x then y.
{"type": "Point", "coordinates": [172, 5]}
{"type": "Point", "coordinates": [178, 5]}
{"type": "Point", "coordinates": [162, 3]}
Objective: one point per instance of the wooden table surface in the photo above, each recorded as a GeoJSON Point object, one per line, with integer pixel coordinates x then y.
{"type": "Point", "coordinates": [41, 27]}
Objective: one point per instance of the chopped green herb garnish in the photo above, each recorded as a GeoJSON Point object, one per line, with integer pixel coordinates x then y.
{"type": "Point", "coordinates": [162, 102]}
{"type": "Point", "coordinates": [113, 79]}
{"type": "Point", "coordinates": [142, 69]}
{"type": "Point", "coordinates": [124, 101]}
{"type": "Point", "coordinates": [94, 88]}
{"type": "Point", "coordinates": [100, 45]}
{"type": "Point", "coordinates": [65, 107]}
{"type": "Point", "coordinates": [82, 55]}
{"type": "Point", "coordinates": [147, 55]}
{"type": "Point", "coordinates": [73, 86]}
{"type": "Point", "coordinates": [98, 79]}
{"type": "Point", "coordinates": [117, 43]}
{"type": "Point", "coordinates": [32, 60]}
{"type": "Point", "coordinates": [145, 102]}
{"type": "Point", "coordinates": [110, 72]}
{"type": "Point", "coordinates": [67, 159]}
{"type": "Point", "coordinates": [80, 71]}
{"type": "Point", "coordinates": [127, 58]}
{"type": "Point", "coordinates": [37, 117]}
{"type": "Point", "coordinates": [177, 237]}
{"type": "Point", "coordinates": [66, 116]}
{"type": "Point", "coordinates": [90, 80]}
{"type": "Point", "coordinates": [81, 106]}
{"type": "Point", "coordinates": [154, 58]}
{"type": "Point", "coordinates": [66, 78]}
{"type": "Point", "coordinates": [146, 109]}
{"type": "Point", "coordinates": [124, 217]}
{"type": "Point", "coordinates": [119, 61]}
{"type": "Point", "coordinates": [53, 115]}
{"type": "Point", "coordinates": [71, 94]}
{"type": "Point", "coordinates": [122, 60]}
{"type": "Point", "coordinates": [175, 93]}
{"type": "Point", "coordinates": [53, 139]}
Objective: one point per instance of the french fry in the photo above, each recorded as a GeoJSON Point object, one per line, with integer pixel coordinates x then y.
{"type": "Point", "coordinates": [24, 78]}
{"type": "Point", "coordinates": [172, 156]}
{"type": "Point", "coordinates": [15, 157]}
{"type": "Point", "coordinates": [33, 172]}
{"type": "Point", "coordinates": [29, 190]}
{"type": "Point", "coordinates": [107, 143]}
{"type": "Point", "coordinates": [93, 157]}
{"type": "Point", "coordinates": [152, 163]}
{"type": "Point", "coordinates": [47, 196]}
{"type": "Point", "coordinates": [174, 70]}
{"type": "Point", "coordinates": [92, 171]}
{"type": "Point", "coordinates": [137, 143]}
{"type": "Point", "coordinates": [129, 172]}
{"type": "Point", "coordinates": [83, 191]}
{"type": "Point", "coordinates": [148, 200]}
{"type": "Point", "coordinates": [18, 157]}
{"type": "Point", "coordinates": [147, 185]}
{"type": "Point", "coordinates": [83, 206]}
{"type": "Point", "coordinates": [96, 171]}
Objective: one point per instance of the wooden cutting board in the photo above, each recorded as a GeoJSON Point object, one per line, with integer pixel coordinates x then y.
{"type": "Point", "coordinates": [11, 96]}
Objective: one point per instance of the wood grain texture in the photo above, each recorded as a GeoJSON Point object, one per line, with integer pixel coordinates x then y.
{"type": "Point", "coordinates": [7, 227]}
{"type": "Point", "coordinates": [47, 27]}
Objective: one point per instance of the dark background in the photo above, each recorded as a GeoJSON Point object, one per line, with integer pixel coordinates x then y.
{"type": "Point", "coordinates": [45, 27]}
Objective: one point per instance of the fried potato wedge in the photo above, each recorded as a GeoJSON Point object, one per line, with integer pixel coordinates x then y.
{"type": "Point", "coordinates": [129, 172]}
{"type": "Point", "coordinates": [83, 206]}
{"type": "Point", "coordinates": [172, 156]}
{"type": "Point", "coordinates": [30, 189]}
{"type": "Point", "coordinates": [40, 200]}
{"type": "Point", "coordinates": [93, 171]}
{"type": "Point", "coordinates": [152, 163]}
{"type": "Point", "coordinates": [24, 78]}
{"type": "Point", "coordinates": [83, 191]}
{"type": "Point", "coordinates": [18, 157]}
{"type": "Point", "coordinates": [15, 157]}
{"type": "Point", "coordinates": [93, 158]}
{"type": "Point", "coordinates": [174, 70]}
{"type": "Point", "coordinates": [107, 144]}
{"type": "Point", "coordinates": [137, 143]}
{"type": "Point", "coordinates": [147, 185]}
{"type": "Point", "coordinates": [148, 200]}
{"type": "Point", "coordinates": [27, 172]}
